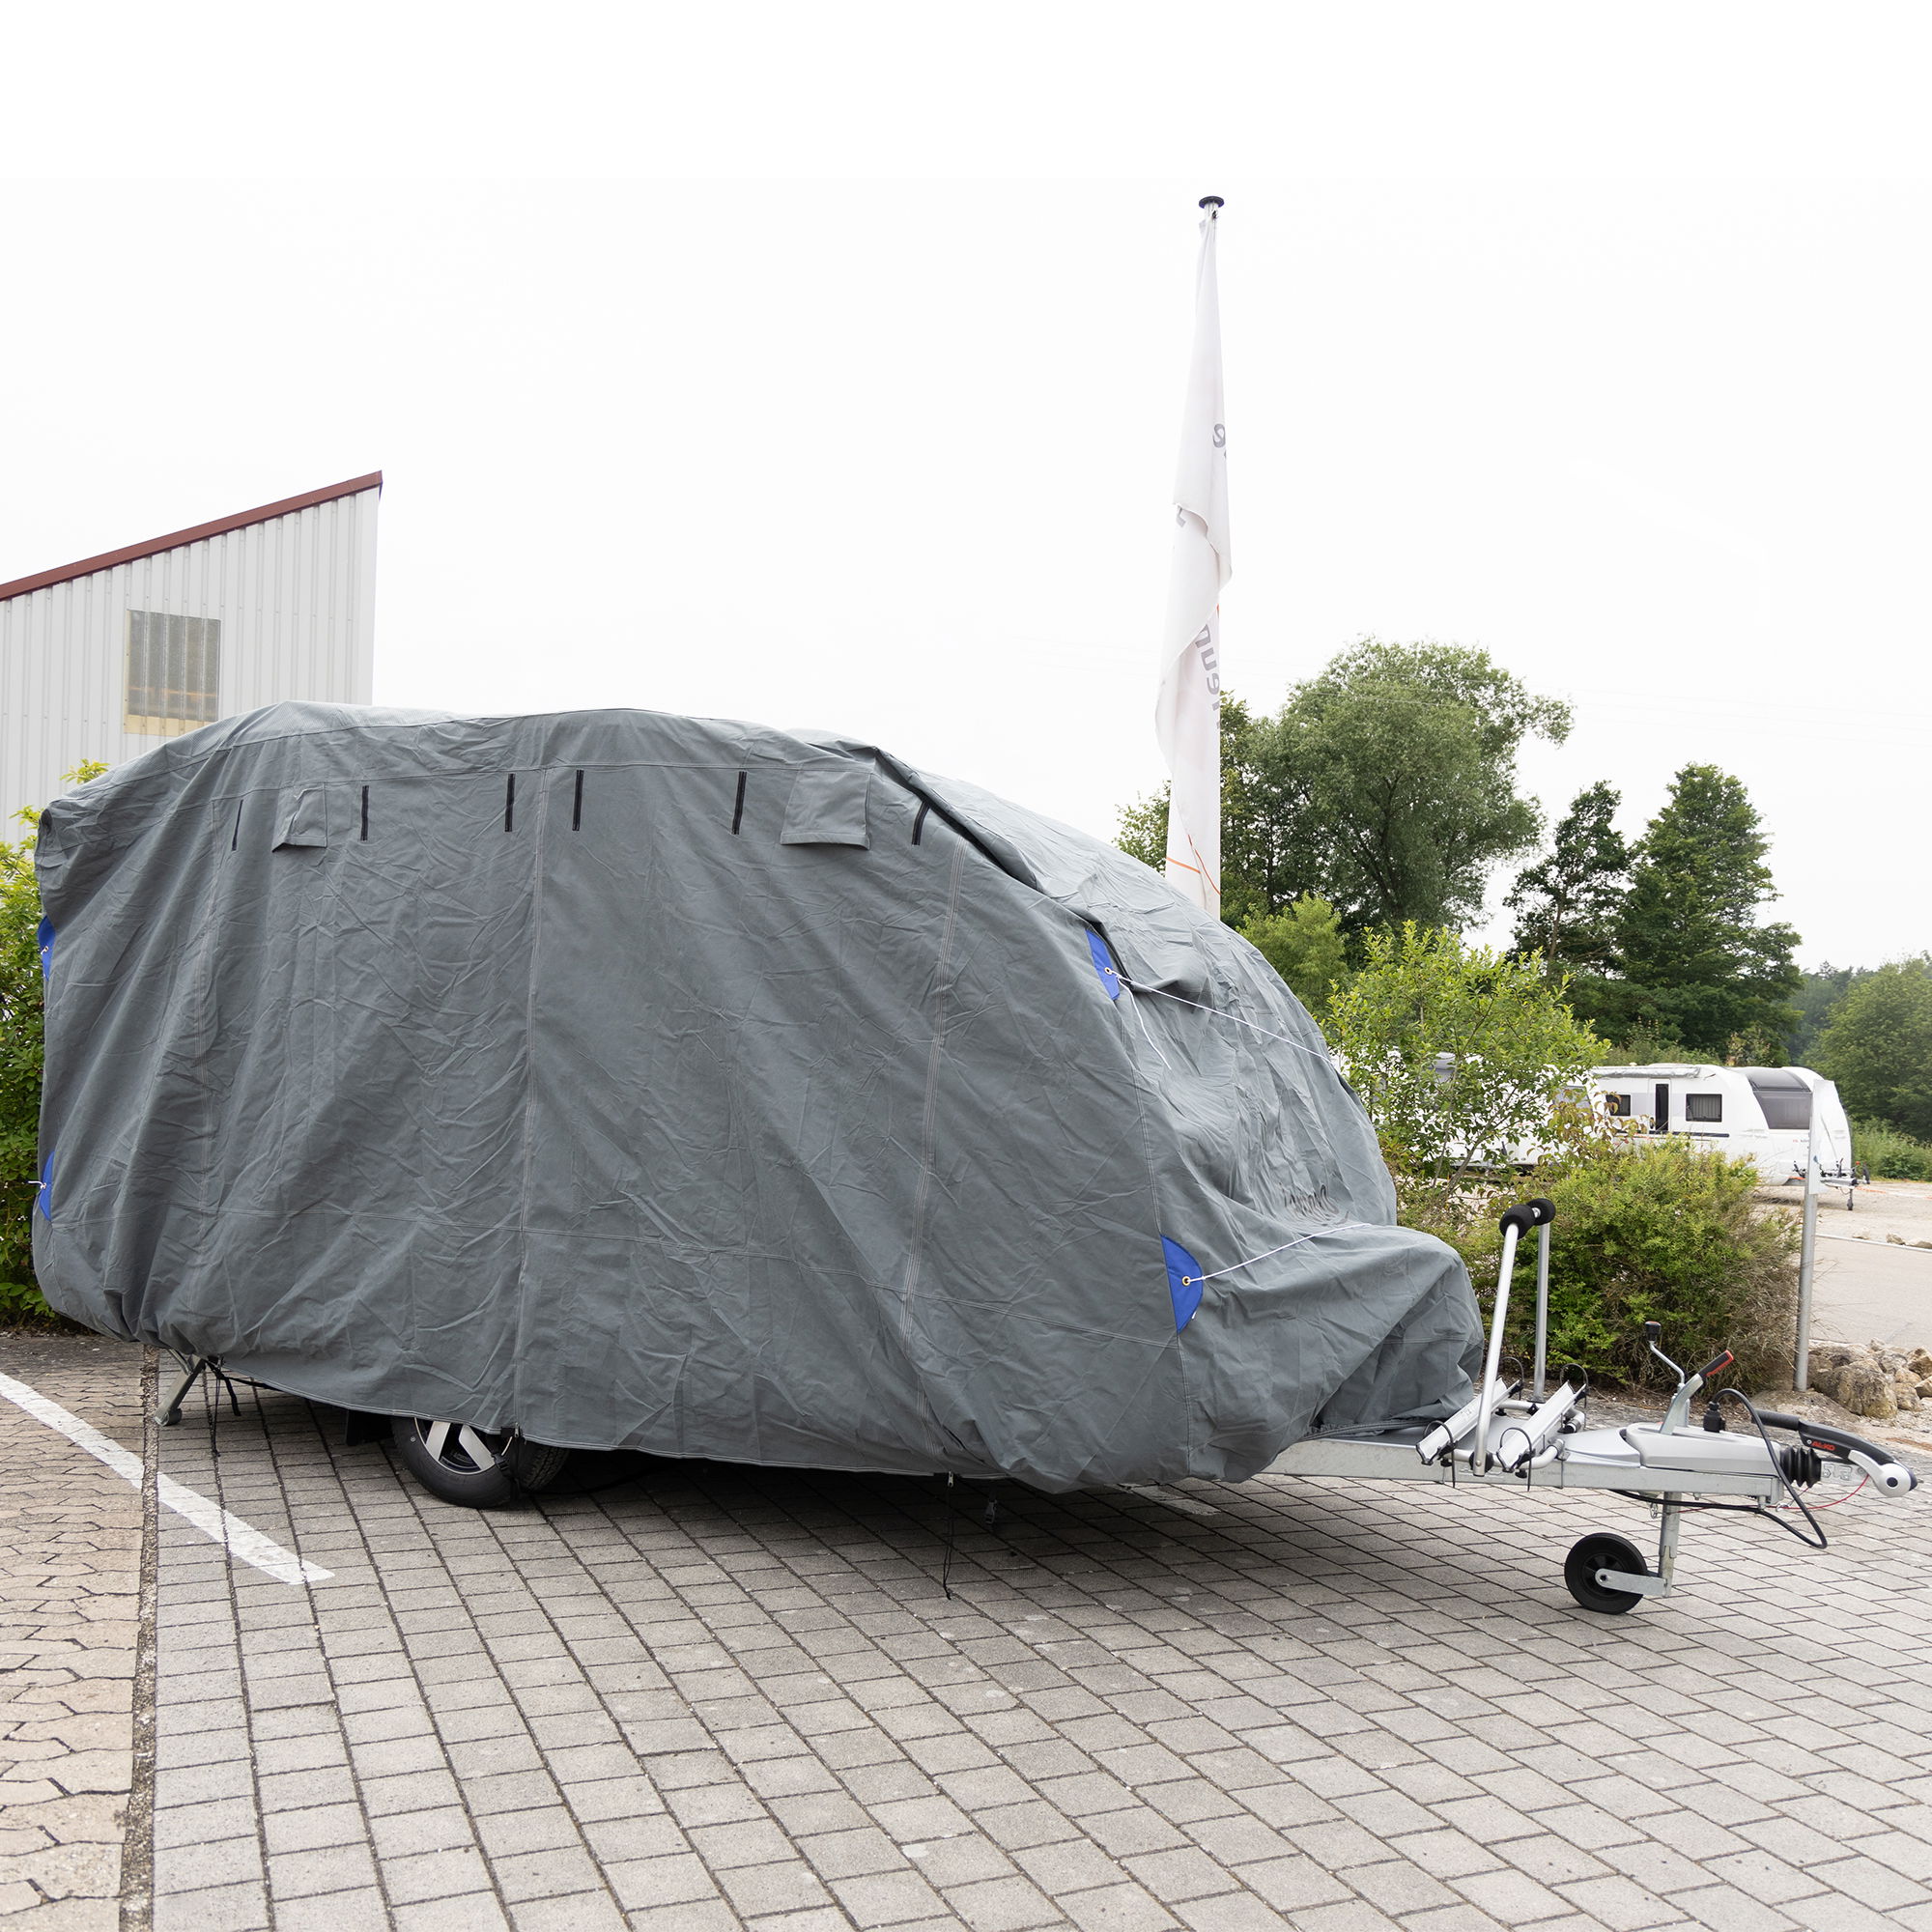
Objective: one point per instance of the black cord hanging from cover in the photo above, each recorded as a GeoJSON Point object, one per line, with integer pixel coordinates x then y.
{"type": "Point", "coordinates": [951, 1537]}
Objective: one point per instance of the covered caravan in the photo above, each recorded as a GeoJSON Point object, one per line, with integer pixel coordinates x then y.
{"type": "Point", "coordinates": [630, 1080]}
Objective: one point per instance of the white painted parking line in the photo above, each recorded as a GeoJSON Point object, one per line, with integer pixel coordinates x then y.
{"type": "Point", "coordinates": [210, 1519]}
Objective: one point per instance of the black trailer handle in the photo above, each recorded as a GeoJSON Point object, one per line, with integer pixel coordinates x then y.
{"type": "Point", "coordinates": [1884, 1468]}
{"type": "Point", "coordinates": [1529, 1214]}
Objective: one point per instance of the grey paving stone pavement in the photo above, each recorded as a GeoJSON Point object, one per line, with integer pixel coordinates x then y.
{"type": "Point", "coordinates": [70, 1584]}
{"type": "Point", "coordinates": [709, 1698]}
{"type": "Point", "coordinates": [714, 1697]}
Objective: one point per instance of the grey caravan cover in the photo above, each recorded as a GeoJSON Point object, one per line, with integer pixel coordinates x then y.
{"type": "Point", "coordinates": [657, 1082]}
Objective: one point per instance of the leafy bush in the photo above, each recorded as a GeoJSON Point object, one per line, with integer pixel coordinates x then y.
{"type": "Point", "coordinates": [1891, 1154]}
{"type": "Point", "coordinates": [20, 1056]}
{"type": "Point", "coordinates": [22, 1306]}
{"type": "Point", "coordinates": [1462, 1056]}
{"type": "Point", "coordinates": [1657, 1232]}
{"type": "Point", "coordinates": [19, 1082]}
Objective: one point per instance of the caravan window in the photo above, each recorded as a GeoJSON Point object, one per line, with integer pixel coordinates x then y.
{"type": "Point", "coordinates": [1703, 1106]}
{"type": "Point", "coordinates": [1786, 1099]}
{"type": "Point", "coordinates": [1617, 1105]}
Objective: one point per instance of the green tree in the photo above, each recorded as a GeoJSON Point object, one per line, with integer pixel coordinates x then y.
{"type": "Point", "coordinates": [1305, 946]}
{"type": "Point", "coordinates": [1567, 906]}
{"type": "Point", "coordinates": [20, 1060]}
{"type": "Point", "coordinates": [1464, 1057]}
{"type": "Point", "coordinates": [1879, 1046]}
{"type": "Point", "coordinates": [1756, 1046]}
{"type": "Point", "coordinates": [1696, 961]}
{"type": "Point", "coordinates": [1817, 1000]}
{"type": "Point", "coordinates": [1640, 1043]}
{"type": "Point", "coordinates": [1398, 763]}
{"type": "Point", "coordinates": [1385, 786]}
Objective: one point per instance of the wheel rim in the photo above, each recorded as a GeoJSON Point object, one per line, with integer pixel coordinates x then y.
{"type": "Point", "coordinates": [459, 1449]}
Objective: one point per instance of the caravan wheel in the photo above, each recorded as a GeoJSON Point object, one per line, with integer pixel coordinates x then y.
{"type": "Point", "coordinates": [479, 1468]}
{"type": "Point", "coordinates": [1604, 1552]}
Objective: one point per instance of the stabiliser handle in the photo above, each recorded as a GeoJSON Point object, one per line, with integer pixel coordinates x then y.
{"type": "Point", "coordinates": [1717, 1365]}
{"type": "Point", "coordinates": [1529, 1214]}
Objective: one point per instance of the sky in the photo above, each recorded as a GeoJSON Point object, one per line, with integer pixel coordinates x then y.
{"type": "Point", "coordinates": [824, 367]}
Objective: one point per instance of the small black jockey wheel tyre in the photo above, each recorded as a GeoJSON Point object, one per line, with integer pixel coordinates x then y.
{"type": "Point", "coordinates": [473, 1467]}
{"type": "Point", "coordinates": [1604, 1552]}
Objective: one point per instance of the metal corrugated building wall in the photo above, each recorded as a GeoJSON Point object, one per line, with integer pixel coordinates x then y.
{"type": "Point", "coordinates": [105, 658]}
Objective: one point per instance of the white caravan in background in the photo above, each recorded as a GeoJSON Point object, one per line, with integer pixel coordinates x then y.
{"type": "Point", "coordinates": [1765, 1112]}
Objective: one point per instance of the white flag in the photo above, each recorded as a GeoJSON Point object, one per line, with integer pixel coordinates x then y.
{"type": "Point", "coordinates": [1187, 712]}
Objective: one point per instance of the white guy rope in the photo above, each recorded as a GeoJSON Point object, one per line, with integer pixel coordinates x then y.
{"type": "Point", "coordinates": [1148, 1035]}
{"type": "Point", "coordinates": [210, 1519]}
{"type": "Point", "coordinates": [1340, 1227]}
{"type": "Point", "coordinates": [1266, 1031]}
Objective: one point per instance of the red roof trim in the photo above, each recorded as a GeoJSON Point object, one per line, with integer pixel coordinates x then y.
{"type": "Point", "coordinates": [174, 540]}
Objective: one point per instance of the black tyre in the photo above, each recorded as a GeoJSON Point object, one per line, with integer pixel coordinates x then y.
{"type": "Point", "coordinates": [1602, 1552]}
{"type": "Point", "coordinates": [476, 1468]}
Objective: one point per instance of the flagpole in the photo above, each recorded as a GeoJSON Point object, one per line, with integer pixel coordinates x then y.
{"type": "Point", "coordinates": [1187, 709]}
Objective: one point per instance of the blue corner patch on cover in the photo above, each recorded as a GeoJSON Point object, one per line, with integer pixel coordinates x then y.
{"type": "Point", "coordinates": [1183, 1282]}
{"type": "Point", "coordinates": [44, 940]}
{"type": "Point", "coordinates": [46, 1190]}
{"type": "Point", "coordinates": [1103, 964]}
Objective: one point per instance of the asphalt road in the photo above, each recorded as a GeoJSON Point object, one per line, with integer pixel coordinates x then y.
{"type": "Point", "coordinates": [1874, 1281]}
{"type": "Point", "coordinates": [1868, 1293]}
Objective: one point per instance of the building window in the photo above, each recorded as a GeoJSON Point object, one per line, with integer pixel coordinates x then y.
{"type": "Point", "coordinates": [1703, 1106]}
{"type": "Point", "coordinates": [1617, 1105]}
{"type": "Point", "coordinates": [174, 671]}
